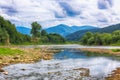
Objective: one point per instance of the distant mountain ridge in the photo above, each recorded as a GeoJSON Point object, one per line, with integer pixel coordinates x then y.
{"type": "Point", "coordinates": [23, 30]}
{"type": "Point", "coordinates": [61, 29]}
{"type": "Point", "coordinates": [65, 30]}
{"type": "Point", "coordinates": [78, 34]}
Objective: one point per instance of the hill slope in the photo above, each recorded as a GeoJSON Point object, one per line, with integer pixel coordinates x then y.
{"type": "Point", "coordinates": [65, 30]}
{"type": "Point", "coordinates": [77, 35]}
{"type": "Point", "coordinates": [23, 30]}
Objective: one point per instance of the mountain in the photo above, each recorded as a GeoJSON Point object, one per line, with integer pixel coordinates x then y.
{"type": "Point", "coordinates": [61, 29]}
{"type": "Point", "coordinates": [78, 34]}
{"type": "Point", "coordinates": [23, 30]}
{"type": "Point", "coordinates": [65, 30]}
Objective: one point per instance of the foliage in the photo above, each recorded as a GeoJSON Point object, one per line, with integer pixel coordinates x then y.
{"type": "Point", "coordinates": [101, 38]}
{"type": "Point", "coordinates": [43, 37]}
{"type": "Point", "coordinates": [116, 50]}
{"type": "Point", "coordinates": [76, 36]}
{"type": "Point", "coordinates": [55, 38]}
{"type": "Point", "coordinates": [8, 51]}
{"type": "Point", "coordinates": [116, 36]}
{"type": "Point", "coordinates": [9, 34]}
{"type": "Point", "coordinates": [35, 31]}
{"type": "Point", "coordinates": [44, 33]}
{"type": "Point", "coordinates": [86, 37]}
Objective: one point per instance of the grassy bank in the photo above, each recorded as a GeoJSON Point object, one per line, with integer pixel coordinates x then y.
{"type": "Point", "coordinates": [102, 51]}
{"type": "Point", "coordinates": [8, 51]}
{"type": "Point", "coordinates": [12, 55]}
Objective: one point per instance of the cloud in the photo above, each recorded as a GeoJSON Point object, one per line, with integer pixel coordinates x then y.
{"type": "Point", "coordinates": [9, 10]}
{"type": "Point", "coordinates": [68, 9]}
{"type": "Point", "coordinates": [105, 4]}
{"type": "Point", "coordinates": [53, 12]}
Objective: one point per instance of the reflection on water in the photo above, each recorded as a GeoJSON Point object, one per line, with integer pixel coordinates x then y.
{"type": "Point", "coordinates": [69, 68]}
{"type": "Point", "coordinates": [67, 54]}
{"type": "Point", "coordinates": [77, 54]}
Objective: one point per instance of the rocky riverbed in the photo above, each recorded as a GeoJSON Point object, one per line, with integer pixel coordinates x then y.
{"type": "Point", "coordinates": [27, 55]}
{"type": "Point", "coordinates": [69, 64]}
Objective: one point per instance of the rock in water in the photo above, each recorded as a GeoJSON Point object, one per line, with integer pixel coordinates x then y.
{"type": "Point", "coordinates": [5, 72]}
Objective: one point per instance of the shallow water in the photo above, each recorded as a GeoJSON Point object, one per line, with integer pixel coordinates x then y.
{"type": "Point", "coordinates": [64, 66]}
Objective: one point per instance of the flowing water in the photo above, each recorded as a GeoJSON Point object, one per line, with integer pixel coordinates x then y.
{"type": "Point", "coordinates": [66, 65]}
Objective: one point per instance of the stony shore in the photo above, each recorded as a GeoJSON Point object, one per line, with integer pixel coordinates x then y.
{"type": "Point", "coordinates": [31, 55]}
{"type": "Point", "coordinates": [115, 74]}
{"type": "Point", "coordinates": [28, 55]}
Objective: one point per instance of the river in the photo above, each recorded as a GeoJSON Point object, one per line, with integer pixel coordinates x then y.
{"type": "Point", "coordinates": [67, 65]}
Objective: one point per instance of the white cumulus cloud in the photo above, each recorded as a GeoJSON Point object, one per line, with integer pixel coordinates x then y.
{"type": "Point", "coordinates": [48, 13]}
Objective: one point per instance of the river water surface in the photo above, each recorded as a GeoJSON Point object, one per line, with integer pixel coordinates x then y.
{"type": "Point", "coordinates": [66, 65]}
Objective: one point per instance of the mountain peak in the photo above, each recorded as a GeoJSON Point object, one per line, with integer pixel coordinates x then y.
{"type": "Point", "coordinates": [79, 34]}
{"type": "Point", "coordinates": [65, 30]}
{"type": "Point", "coordinates": [62, 25]}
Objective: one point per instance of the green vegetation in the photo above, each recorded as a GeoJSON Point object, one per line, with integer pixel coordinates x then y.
{"type": "Point", "coordinates": [41, 36]}
{"type": "Point", "coordinates": [76, 36]}
{"type": "Point", "coordinates": [116, 50]}
{"type": "Point", "coordinates": [88, 53]}
{"type": "Point", "coordinates": [101, 38]}
{"type": "Point", "coordinates": [8, 51]}
{"type": "Point", "coordinates": [35, 31]}
{"type": "Point", "coordinates": [9, 35]}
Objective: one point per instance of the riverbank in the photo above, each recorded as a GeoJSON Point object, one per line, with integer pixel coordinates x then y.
{"type": "Point", "coordinates": [12, 55]}
{"type": "Point", "coordinates": [33, 53]}
{"type": "Point", "coordinates": [115, 75]}
{"type": "Point", "coordinates": [28, 54]}
{"type": "Point", "coordinates": [113, 52]}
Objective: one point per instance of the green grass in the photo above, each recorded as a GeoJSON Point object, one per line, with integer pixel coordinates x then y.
{"type": "Point", "coordinates": [116, 44]}
{"type": "Point", "coordinates": [72, 42]}
{"type": "Point", "coordinates": [8, 51]}
{"type": "Point", "coordinates": [116, 50]}
{"type": "Point", "coordinates": [95, 54]}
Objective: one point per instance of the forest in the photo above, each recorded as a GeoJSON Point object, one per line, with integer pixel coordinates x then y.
{"type": "Point", "coordinates": [9, 34]}
{"type": "Point", "coordinates": [76, 36]}
{"type": "Point", "coordinates": [101, 38]}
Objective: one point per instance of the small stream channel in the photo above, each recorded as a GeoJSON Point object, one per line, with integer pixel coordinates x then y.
{"type": "Point", "coordinates": [66, 65]}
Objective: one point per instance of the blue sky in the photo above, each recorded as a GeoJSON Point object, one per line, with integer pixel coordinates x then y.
{"type": "Point", "coordinates": [53, 12]}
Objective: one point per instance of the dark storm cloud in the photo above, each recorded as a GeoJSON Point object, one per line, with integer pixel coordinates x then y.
{"type": "Point", "coordinates": [105, 4]}
{"type": "Point", "coordinates": [68, 9]}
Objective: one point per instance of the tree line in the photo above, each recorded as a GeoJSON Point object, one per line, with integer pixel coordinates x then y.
{"type": "Point", "coordinates": [101, 38]}
{"type": "Point", "coordinates": [9, 34]}
{"type": "Point", "coordinates": [39, 35]}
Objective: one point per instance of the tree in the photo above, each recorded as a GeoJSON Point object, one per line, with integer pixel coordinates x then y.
{"type": "Point", "coordinates": [86, 37]}
{"type": "Point", "coordinates": [9, 34]}
{"type": "Point", "coordinates": [55, 38]}
{"type": "Point", "coordinates": [116, 36]}
{"type": "Point", "coordinates": [106, 38]}
{"type": "Point", "coordinates": [35, 31]}
{"type": "Point", "coordinates": [44, 39]}
{"type": "Point", "coordinates": [97, 38]}
{"type": "Point", "coordinates": [4, 37]}
{"type": "Point", "coordinates": [91, 41]}
{"type": "Point", "coordinates": [44, 33]}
